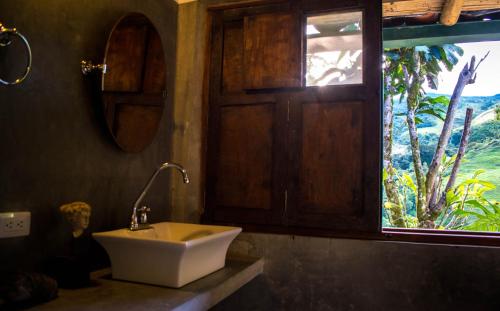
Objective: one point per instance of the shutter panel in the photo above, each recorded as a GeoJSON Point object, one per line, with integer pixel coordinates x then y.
{"type": "Point", "coordinates": [282, 156]}
{"type": "Point", "coordinates": [272, 51]}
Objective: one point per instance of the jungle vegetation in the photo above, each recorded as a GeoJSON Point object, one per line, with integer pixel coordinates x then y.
{"type": "Point", "coordinates": [434, 186]}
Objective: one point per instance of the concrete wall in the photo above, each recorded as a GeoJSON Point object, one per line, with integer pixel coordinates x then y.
{"type": "Point", "coordinates": [55, 147]}
{"type": "Point", "coordinates": [308, 273]}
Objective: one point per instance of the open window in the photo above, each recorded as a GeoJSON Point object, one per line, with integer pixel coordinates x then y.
{"type": "Point", "coordinates": [295, 122]}
{"type": "Point", "coordinates": [441, 144]}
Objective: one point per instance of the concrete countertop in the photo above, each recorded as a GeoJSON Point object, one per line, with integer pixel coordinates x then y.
{"type": "Point", "coordinates": [107, 294]}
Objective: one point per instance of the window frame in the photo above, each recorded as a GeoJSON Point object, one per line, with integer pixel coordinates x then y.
{"type": "Point", "coordinates": [435, 34]}
{"type": "Point", "coordinates": [428, 236]}
{"type": "Point", "coordinates": [382, 234]}
{"type": "Point", "coordinates": [305, 38]}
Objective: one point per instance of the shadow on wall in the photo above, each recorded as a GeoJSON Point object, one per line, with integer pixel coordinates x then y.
{"type": "Point", "coordinates": [55, 145]}
{"type": "Point", "coordinates": [255, 295]}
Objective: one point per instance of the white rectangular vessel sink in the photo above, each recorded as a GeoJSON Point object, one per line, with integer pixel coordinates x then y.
{"type": "Point", "coordinates": [170, 254]}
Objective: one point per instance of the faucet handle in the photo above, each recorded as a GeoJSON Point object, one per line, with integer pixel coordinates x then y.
{"type": "Point", "coordinates": [144, 214]}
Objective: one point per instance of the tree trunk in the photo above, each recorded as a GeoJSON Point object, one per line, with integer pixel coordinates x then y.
{"type": "Point", "coordinates": [391, 191]}
{"type": "Point", "coordinates": [417, 164]}
{"type": "Point", "coordinates": [414, 82]}
{"type": "Point", "coordinates": [436, 209]}
{"type": "Point", "coordinates": [465, 77]}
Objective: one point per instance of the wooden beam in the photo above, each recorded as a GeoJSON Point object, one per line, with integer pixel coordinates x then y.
{"type": "Point", "coordinates": [436, 34]}
{"type": "Point", "coordinates": [415, 7]}
{"type": "Point", "coordinates": [451, 12]}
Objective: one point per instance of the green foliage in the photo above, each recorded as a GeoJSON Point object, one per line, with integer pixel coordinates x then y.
{"type": "Point", "coordinates": [469, 205]}
{"type": "Point", "coordinates": [446, 54]}
{"type": "Point", "coordinates": [487, 217]}
{"type": "Point", "coordinates": [430, 58]}
{"type": "Point", "coordinates": [487, 131]}
{"type": "Point", "coordinates": [427, 152]}
{"type": "Point", "coordinates": [468, 209]}
{"type": "Point", "coordinates": [481, 136]}
{"type": "Point", "coordinates": [485, 158]}
{"type": "Point", "coordinates": [433, 106]}
{"type": "Point", "coordinates": [419, 61]}
{"type": "Point", "coordinates": [406, 194]}
{"type": "Point", "coordinates": [402, 161]}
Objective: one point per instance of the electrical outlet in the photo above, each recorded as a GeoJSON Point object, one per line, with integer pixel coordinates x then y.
{"type": "Point", "coordinates": [14, 224]}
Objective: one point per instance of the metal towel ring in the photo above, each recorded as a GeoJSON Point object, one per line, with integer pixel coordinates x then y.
{"type": "Point", "coordinates": [5, 41]}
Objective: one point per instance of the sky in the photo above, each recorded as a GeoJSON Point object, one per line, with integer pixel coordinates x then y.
{"type": "Point", "coordinates": [488, 74]}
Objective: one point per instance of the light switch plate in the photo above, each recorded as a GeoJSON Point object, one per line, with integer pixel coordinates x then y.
{"type": "Point", "coordinates": [14, 224]}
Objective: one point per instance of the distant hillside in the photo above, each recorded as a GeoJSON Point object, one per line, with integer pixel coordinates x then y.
{"type": "Point", "coordinates": [479, 104]}
{"type": "Point", "coordinates": [432, 126]}
{"type": "Point", "coordinates": [484, 143]}
{"type": "Point", "coordinates": [488, 115]}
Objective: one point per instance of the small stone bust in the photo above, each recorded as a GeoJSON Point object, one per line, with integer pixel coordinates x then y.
{"type": "Point", "coordinates": [78, 215]}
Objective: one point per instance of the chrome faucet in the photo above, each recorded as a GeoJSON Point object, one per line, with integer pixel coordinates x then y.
{"type": "Point", "coordinates": [142, 223]}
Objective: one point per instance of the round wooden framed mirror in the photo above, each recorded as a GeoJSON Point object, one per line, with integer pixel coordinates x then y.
{"type": "Point", "coordinates": [134, 85]}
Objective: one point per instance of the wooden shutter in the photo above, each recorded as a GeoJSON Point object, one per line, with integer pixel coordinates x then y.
{"type": "Point", "coordinates": [272, 50]}
{"type": "Point", "coordinates": [334, 182]}
{"type": "Point", "coordinates": [283, 156]}
{"type": "Point", "coordinates": [245, 177]}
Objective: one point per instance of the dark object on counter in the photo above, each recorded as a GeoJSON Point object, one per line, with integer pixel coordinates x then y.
{"type": "Point", "coordinates": [22, 290]}
{"type": "Point", "coordinates": [69, 272]}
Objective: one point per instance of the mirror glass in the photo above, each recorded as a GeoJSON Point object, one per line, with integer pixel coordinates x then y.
{"type": "Point", "coordinates": [134, 85]}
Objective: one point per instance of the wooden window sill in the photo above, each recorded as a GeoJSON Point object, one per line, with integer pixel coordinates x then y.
{"type": "Point", "coordinates": [424, 236]}
{"type": "Point", "coordinates": [442, 237]}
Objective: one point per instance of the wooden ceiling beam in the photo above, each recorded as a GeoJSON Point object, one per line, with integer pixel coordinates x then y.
{"type": "Point", "coordinates": [416, 7]}
{"type": "Point", "coordinates": [451, 12]}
